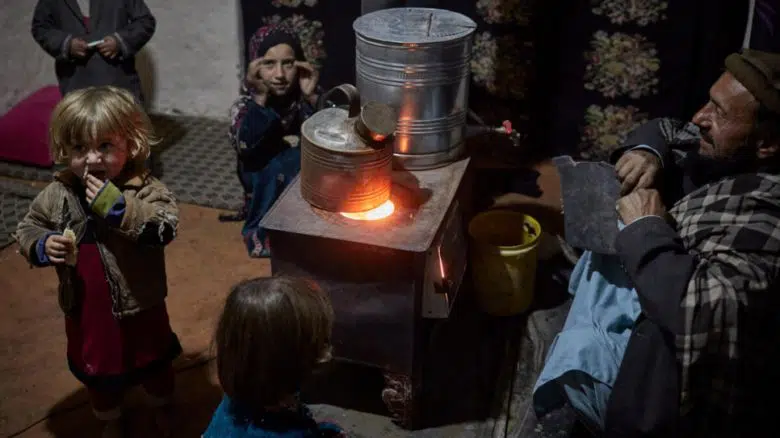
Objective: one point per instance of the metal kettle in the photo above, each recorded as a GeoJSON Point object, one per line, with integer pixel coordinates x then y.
{"type": "Point", "coordinates": [346, 154]}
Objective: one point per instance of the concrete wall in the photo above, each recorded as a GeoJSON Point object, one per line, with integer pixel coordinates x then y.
{"type": "Point", "coordinates": [190, 66]}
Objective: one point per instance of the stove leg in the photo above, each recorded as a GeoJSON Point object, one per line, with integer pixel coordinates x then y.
{"type": "Point", "coordinates": [399, 397]}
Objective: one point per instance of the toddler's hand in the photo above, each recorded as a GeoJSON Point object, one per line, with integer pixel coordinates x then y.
{"type": "Point", "coordinates": [93, 187]}
{"type": "Point", "coordinates": [78, 47]}
{"type": "Point", "coordinates": [57, 247]}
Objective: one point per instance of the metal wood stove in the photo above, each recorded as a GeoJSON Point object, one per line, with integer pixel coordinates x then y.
{"type": "Point", "coordinates": [387, 278]}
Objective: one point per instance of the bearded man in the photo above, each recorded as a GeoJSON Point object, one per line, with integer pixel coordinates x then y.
{"type": "Point", "coordinates": [676, 334]}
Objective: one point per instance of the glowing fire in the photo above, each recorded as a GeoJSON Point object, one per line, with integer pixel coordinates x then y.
{"type": "Point", "coordinates": [384, 210]}
{"type": "Point", "coordinates": [441, 265]}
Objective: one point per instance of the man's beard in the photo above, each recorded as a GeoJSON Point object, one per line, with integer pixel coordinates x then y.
{"type": "Point", "coordinates": [704, 170]}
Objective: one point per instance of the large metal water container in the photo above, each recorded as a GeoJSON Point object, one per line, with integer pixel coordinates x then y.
{"type": "Point", "coordinates": [418, 61]}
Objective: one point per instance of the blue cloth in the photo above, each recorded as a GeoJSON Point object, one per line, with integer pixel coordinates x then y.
{"type": "Point", "coordinates": [584, 359]}
{"type": "Point", "coordinates": [267, 185]}
{"type": "Point", "coordinates": [41, 259]}
{"type": "Point", "coordinates": [229, 422]}
{"type": "Point", "coordinates": [259, 136]}
{"type": "Point", "coordinates": [117, 212]}
{"type": "Point", "coordinates": [266, 167]}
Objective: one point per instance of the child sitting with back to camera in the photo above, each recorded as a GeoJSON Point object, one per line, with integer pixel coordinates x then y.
{"type": "Point", "coordinates": [272, 334]}
{"type": "Point", "coordinates": [103, 224]}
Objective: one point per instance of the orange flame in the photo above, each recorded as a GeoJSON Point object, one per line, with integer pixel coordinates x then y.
{"type": "Point", "coordinates": [384, 210]}
{"type": "Point", "coordinates": [441, 264]}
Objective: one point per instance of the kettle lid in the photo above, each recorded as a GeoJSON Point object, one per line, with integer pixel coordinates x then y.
{"type": "Point", "coordinates": [414, 25]}
{"type": "Point", "coordinates": [377, 122]}
{"type": "Point", "coordinates": [357, 131]}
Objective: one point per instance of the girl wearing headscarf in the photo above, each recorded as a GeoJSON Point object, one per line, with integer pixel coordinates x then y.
{"type": "Point", "coordinates": [280, 92]}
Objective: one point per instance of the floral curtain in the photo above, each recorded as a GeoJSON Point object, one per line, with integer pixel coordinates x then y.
{"type": "Point", "coordinates": [576, 75]}
{"type": "Point", "coordinates": [618, 63]}
{"type": "Point", "coordinates": [504, 66]}
{"type": "Point", "coordinates": [503, 48]}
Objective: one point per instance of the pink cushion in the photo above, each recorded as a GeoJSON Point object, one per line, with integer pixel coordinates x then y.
{"type": "Point", "coordinates": [24, 130]}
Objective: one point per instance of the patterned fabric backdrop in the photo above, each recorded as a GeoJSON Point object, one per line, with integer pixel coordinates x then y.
{"type": "Point", "coordinates": [619, 63]}
{"type": "Point", "coordinates": [575, 75]}
{"type": "Point", "coordinates": [503, 50]}
{"type": "Point", "coordinates": [503, 59]}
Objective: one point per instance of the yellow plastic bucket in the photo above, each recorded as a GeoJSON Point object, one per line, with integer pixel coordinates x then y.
{"type": "Point", "coordinates": [503, 259]}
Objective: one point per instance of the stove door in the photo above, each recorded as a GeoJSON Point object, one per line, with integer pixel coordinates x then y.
{"type": "Point", "coordinates": [445, 266]}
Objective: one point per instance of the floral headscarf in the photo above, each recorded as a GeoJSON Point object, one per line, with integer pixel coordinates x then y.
{"type": "Point", "coordinates": [272, 35]}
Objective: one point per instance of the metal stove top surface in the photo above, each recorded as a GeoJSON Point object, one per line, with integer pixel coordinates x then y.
{"type": "Point", "coordinates": [421, 200]}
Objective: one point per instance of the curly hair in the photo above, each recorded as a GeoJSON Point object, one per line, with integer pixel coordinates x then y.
{"type": "Point", "coordinates": [91, 114]}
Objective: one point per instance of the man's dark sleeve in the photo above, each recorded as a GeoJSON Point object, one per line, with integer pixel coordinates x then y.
{"type": "Point", "coordinates": [645, 396]}
{"type": "Point", "coordinates": [660, 268]}
{"type": "Point", "coordinates": [648, 135]}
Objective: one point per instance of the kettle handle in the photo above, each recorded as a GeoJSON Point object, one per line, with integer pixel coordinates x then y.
{"type": "Point", "coordinates": [353, 96]}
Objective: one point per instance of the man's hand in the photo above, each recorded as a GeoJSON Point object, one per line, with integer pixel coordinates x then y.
{"type": "Point", "coordinates": [78, 48]}
{"type": "Point", "coordinates": [255, 82]}
{"type": "Point", "coordinates": [93, 187]}
{"type": "Point", "coordinates": [637, 169]}
{"type": "Point", "coordinates": [639, 203]}
{"type": "Point", "coordinates": [109, 48]}
{"type": "Point", "coordinates": [57, 247]}
{"type": "Point", "coordinates": [308, 77]}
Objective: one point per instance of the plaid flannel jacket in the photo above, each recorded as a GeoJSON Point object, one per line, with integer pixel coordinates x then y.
{"type": "Point", "coordinates": [732, 227]}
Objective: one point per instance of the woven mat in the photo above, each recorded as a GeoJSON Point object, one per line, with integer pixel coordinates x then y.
{"type": "Point", "coordinates": [198, 164]}
{"type": "Point", "coordinates": [15, 199]}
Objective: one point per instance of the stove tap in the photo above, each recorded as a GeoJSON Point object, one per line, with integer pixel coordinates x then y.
{"type": "Point", "coordinates": [505, 129]}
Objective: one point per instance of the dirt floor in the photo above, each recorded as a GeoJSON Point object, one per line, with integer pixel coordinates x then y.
{"type": "Point", "coordinates": [40, 398]}
{"type": "Point", "coordinates": [203, 262]}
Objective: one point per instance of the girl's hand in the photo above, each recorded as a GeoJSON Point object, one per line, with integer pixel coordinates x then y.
{"type": "Point", "coordinates": [255, 82]}
{"type": "Point", "coordinates": [308, 77]}
{"type": "Point", "coordinates": [57, 247]}
{"type": "Point", "coordinates": [93, 187]}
